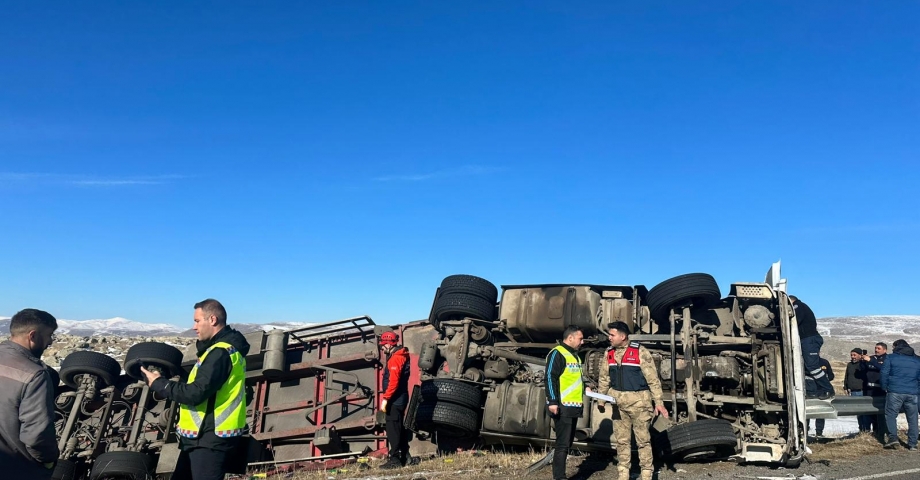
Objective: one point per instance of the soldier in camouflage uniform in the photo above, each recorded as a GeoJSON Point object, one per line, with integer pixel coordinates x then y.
{"type": "Point", "coordinates": [632, 380]}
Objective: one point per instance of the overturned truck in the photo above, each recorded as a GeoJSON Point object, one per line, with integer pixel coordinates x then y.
{"type": "Point", "coordinates": [730, 369]}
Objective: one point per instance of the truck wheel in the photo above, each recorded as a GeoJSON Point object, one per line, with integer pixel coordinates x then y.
{"type": "Point", "coordinates": [471, 285]}
{"type": "Point", "coordinates": [95, 363]}
{"type": "Point", "coordinates": [697, 440]}
{"type": "Point", "coordinates": [64, 470]}
{"type": "Point", "coordinates": [447, 419]}
{"type": "Point", "coordinates": [463, 305]}
{"type": "Point", "coordinates": [166, 357]}
{"type": "Point", "coordinates": [123, 465]}
{"type": "Point", "coordinates": [699, 288]}
{"type": "Point", "coordinates": [451, 391]}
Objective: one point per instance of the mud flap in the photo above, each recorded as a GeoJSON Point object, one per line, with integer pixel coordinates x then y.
{"type": "Point", "coordinates": [548, 459]}
{"type": "Point", "coordinates": [414, 400]}
{"type": "Point", "coordinates": [169, 457]}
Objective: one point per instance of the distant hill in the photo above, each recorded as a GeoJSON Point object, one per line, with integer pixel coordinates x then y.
{"type": "Point", "coordinates": [129, 328]}
{"type": "Point", "coordinates": [842, 334]}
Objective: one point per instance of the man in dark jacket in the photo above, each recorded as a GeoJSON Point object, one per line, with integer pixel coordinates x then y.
{"type": "Point", "coordinates": [901, 379]}
{"type": "Point", "coordinates": [853, 384]}
{"type": "Point", "coordinates": [811, 342]}
{"type": "Point", "coordinates": [564, 394]}
{"type": "Point", "coordinates": [872, 385]}
{"type": "Point", "coordinates": [216, 384]}
{"type": "Point", "coordinates": [395, 399]}
{"type": "Point", "coordinates": [28, 445]}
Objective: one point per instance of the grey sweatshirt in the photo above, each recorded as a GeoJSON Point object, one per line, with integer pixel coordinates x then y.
{"type": "Point", "coordinates": [27, 438]}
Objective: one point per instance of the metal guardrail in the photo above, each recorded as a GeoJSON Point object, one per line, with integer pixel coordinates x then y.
{"type": "Point", "coordinates": [846, 406]}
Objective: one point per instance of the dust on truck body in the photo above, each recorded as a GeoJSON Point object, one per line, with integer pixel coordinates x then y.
{"type": "Point", "coordinates": [730, 367]}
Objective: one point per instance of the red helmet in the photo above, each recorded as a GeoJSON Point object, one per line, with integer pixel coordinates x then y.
{"type": "Point", "coordinates": [389, 338]}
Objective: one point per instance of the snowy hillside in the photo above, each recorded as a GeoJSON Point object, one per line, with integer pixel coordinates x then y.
{"type": "Point", "coordinates": [129, 328]}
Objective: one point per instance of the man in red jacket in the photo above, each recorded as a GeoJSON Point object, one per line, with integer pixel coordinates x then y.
{"type": "Point", "coordinates": [395, 398]}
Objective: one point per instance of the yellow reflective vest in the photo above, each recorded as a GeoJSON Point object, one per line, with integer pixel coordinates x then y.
{"type": "Point", "coordinates": [571, 388]}
{"type": "Point", "coordinates": [229, 402]}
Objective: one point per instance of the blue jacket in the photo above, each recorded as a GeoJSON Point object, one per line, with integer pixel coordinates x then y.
{"type": "Point", "coordinates": [901, 372]}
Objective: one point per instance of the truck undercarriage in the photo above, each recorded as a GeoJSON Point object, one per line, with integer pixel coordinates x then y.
{"type": "Point", "coordinates": [730, 369]}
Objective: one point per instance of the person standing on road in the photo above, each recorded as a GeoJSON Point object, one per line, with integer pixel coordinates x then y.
{"type": "Point", "coordinates": [872, 386]}
{"type": "Point", "coordinates": [212, 403]}
{"type": "Point", "coordinates": [901, 379]}
{"type": "Point", "coordinates": [564, 394]}
{"type": "Point", "coordinates": [28, 445]}
{"type": "Point", "coordinates": [811, 342]}
{"type": "Point", "coordinates": [853, 384]}
{"type": "Point", "coordinates": [819, 422]}
{"type": "Point", "coordinates": [632, 380]}
{"type": "Point", "coordinates": [395, 398]}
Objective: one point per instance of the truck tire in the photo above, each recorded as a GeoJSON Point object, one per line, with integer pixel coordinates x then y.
{"type": "Point", "coordinates": [64, 470]}
{"type": "Point", "coordinates": [470, 285]}
{"type": "Point", "coordinates": [447, 418]}
{"type": "Point", "coordinates": [699, 288]}
{"type": "Point", "coordinates": [697, 440]}
{"type": "Point", "coordinates": [458, 305]}
{"type": "Point", "coordinates": [166, 357]}
{"type": "Point", "coordinates": [451, 391]}
{"type": "Point", "coordinates": [122, 465]}
{"type": "Point", "coordinates": [95, 363]}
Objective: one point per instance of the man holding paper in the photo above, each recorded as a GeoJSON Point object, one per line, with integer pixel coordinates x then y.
{"type": "Point", "coordinates": [632, 380]}
{"type": "Point", "coordinates": [564, 394]}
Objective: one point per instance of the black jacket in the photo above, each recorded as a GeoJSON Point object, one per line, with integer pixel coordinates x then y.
{"type": "Point", "coordinates": [853, 381]}
{"type": "Point", "coordinates": [808, 324]}
{"type": "Point", "coordinates": [555, 365]}
{"type": "Point", "coordinates": [872, 374]}
{"type": "Point", "coordinates": [212, 374]}
{"type": "Point", "coordinates": [826, 366]}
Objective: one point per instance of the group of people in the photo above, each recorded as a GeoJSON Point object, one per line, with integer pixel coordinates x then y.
{"type": "Point", "coordinates": [212, 400]}
{"type": "Point", "coordinates": [630, 379]}
{"type": "Point", "coordinates": [895, 376]}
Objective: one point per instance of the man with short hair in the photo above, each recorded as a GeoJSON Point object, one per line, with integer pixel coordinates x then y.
{"type": "Point", "coordinates": [212, 403]}
{"type": "Point", "coordinates": [853, 385]}
{"type": "Point", "coordinates": [395, 398]}
{"type": "Point", "coordinates": [811, 342]}
{"type": "Point", "coordinates": [28, 444]}
{"type": "Point", "coordinates": [564, 394]}
{"type": "Point", "coordinates": [901, 379]}
{"type": "Point", "coordinates": [632, 380]}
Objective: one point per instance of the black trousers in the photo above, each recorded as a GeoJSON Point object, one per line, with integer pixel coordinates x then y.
{"type": "Point", "coordinates": [397, 435]}
{"type": "Point", "coordinates": [200, 463]}
{"type": "Point", "coordinates": [565, 434]}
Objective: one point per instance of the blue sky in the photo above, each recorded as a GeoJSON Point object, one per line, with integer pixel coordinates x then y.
{"type": "Point", "coordinates": [318, 160]}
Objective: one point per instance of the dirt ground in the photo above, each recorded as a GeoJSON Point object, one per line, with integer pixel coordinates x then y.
{"type": "Point", "coordinates": [848, 458]}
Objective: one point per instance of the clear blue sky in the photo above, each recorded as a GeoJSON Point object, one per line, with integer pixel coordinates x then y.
{"type": "Point", "coordinates": [308, 161]}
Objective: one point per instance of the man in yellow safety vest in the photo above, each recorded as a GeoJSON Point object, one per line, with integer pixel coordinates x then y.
{"type": "Point", "coordinates": [564, 394]}
{"type": "Point", "coordinates": [212, 412]}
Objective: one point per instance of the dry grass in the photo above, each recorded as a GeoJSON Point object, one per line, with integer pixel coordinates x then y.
{"type": "Point", "coordinates": [473, 465]}
{"type": "Point", "coordinates": [482, 465]}
{"type": "Point", "coordinates": [852, 448]}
